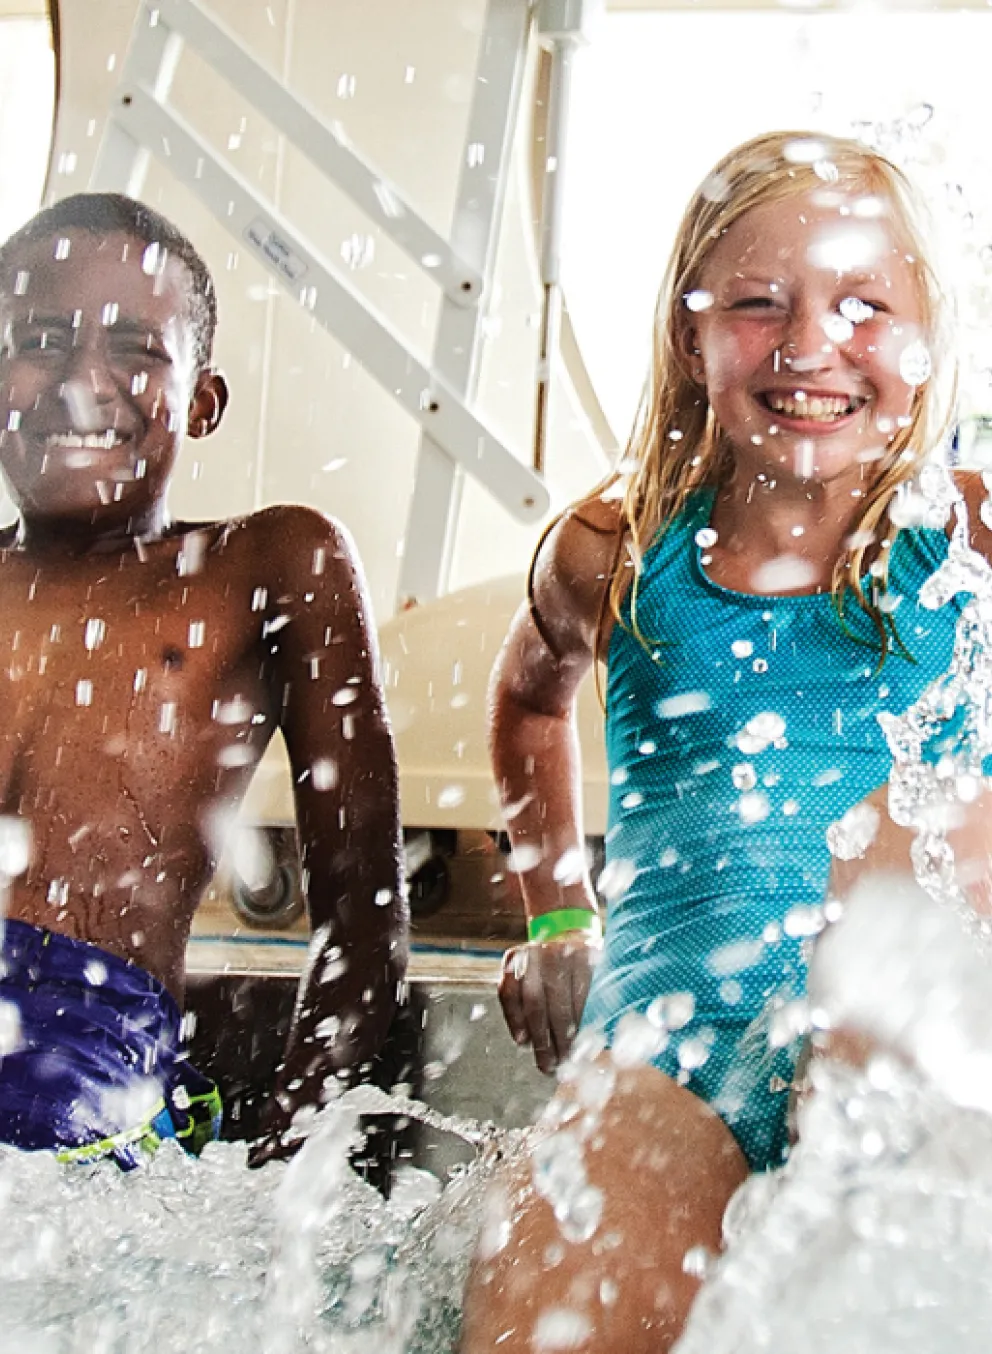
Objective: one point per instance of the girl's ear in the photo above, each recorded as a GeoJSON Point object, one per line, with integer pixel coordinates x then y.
{"type": "Point", "coordinates": [209, 401]}
{"type": "Point", "coordinates": [687, 350]}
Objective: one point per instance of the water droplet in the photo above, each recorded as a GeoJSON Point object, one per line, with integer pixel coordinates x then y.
{"type": "Point", "coordinates": [324, 774]}
{"type": "Point", "coordinates": [358, 251]}
{"type": "Point", "coordinates": [850, 837]}
{"type": "Point", "coordinates": [570, 867]}
{"type": "Point", "coordinates": [524, 857]}
{"type": "Point", "coordinates": [698, 300]}
{"type": "Point", "coordinates": [688, 703]}
{"type": "Point", "coordinates": [673, 1011]}
{"type": "Point", "coordinates": [450, 796]}
{"type": "Point", "coordinates": [692, 1054]}
{"type": "Point", "coordinates": [616, 878]}
{"type": "Point", "coordinates": [915, 364]}
{"type": "Point", "coordinates": [15, 846]}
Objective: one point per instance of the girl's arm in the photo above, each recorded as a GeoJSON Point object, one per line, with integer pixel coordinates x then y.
{"type": "Point", "coordinates": [535, 753]}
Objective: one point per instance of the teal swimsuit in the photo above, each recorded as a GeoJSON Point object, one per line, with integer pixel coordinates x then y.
{"type": "Point", "coordinates": [731, 751]}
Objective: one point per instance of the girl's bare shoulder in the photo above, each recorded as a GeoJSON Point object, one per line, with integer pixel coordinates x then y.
{"type": "Point", "coordinates": [585, 539]}
{"type": "Point", "coordinates": [573, 570]}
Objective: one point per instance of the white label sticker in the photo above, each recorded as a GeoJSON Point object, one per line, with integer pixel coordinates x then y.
{"type": "Point", "coordinates": [274, 248]}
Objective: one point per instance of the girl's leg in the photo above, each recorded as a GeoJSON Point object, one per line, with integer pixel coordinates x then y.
{"type": "Point", "coordinates": [666, 1166]}
{"type": "Point", "coordinates": [969, 836]}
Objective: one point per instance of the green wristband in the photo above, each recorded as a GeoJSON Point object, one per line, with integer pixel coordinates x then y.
{"type": "Point", "coordinates": [551, 924]}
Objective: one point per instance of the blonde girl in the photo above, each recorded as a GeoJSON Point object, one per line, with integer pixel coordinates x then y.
{"type": "Point", "coordinates": [749, 581]}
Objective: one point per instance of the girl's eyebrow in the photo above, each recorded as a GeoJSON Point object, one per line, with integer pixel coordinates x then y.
{"type": "Point", "coordinates": [863, 278]}
{"type": "Point", "coordinates": [757, 280]}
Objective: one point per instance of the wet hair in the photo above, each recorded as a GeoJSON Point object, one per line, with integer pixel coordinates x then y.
{"type": "Point", "coordinates": [113, 213]}
{"type": "Point", "coordinates": [658, 472]}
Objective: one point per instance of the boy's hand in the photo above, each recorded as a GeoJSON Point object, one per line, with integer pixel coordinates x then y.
{"type": "Point", "coordinates": [543, 989]}
{"type": "Point", "coordinates": [271, 1147]}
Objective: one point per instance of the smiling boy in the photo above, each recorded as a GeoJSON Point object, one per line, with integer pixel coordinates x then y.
{"type": "Point", "coordinates": [144, 666]}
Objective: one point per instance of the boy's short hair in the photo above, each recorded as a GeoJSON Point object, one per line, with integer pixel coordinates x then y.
{"type": "Point", "coordinates": [109, 213]}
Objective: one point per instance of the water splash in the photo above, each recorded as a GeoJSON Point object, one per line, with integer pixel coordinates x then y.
{"type": "Point", "coordinates": [878, 1232]}
{"type": "Point", "coordinates": [940, 744]}
{"type": "Point", "coordinates": [188, 1257]}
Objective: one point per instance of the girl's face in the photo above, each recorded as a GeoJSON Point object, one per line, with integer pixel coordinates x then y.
{"type": "Point", "coordinates": [807, 331]}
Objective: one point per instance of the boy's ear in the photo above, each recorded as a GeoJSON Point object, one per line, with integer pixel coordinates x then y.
{"type": "Point", "coordinates": [206, 408]}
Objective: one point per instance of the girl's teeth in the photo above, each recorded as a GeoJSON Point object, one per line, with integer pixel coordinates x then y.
{"type": "Point", "coordinates": [825, 408]}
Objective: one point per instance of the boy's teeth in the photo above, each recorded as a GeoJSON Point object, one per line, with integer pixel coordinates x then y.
{"type": "Point", "coordinates": [826, 408]}
{"type": "Point", "coordinates": [79, 441]}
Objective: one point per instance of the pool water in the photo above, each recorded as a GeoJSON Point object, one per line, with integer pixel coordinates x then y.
{"type": "Point", "coordinates": [207, 1255]}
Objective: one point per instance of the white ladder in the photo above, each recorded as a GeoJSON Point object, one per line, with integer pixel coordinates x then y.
{"type": "Point", "coordinates": [455, 439]}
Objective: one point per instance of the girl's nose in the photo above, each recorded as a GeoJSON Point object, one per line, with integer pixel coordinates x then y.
{"type": "Point", "coordinates": [809, 346]}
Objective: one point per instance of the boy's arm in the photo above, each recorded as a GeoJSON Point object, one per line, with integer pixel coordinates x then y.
{"type": "Point", "coordinates": [329, 705]}
{"type": "Point", "coordinates": [536, 762]}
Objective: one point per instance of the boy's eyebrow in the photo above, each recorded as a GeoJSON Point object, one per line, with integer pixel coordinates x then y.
{"type": "Point", "coordinates": [43, 321]}
{"type": "Point", "coordinates": [122, 325]}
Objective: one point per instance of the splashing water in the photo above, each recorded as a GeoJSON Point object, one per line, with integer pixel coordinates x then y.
{"type": "Point", "coordinates": [940, 744]}
{"type": "Point", "coordinates": [195, 1256]}
{"type": "Point", "coordinates": [877, 1234]}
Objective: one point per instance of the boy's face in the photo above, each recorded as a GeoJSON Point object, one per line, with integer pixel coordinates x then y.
{"type": "Point", "coordinates": [97, 379]}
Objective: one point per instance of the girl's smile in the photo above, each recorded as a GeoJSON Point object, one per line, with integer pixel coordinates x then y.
{"type": "Point", "coordinates": [807, 332]}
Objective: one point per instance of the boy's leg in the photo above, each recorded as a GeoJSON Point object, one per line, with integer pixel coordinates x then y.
{"type": "Point", "coordinates": [667, 1167]}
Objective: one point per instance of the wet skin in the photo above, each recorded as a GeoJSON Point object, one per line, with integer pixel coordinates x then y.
{"type": "Point", "coordinates": [145, 664]}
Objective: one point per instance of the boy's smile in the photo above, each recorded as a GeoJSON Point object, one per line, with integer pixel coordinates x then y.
{"type": "Point", "coordinates": [809, 332]}
{"type": "Point", "coordinates": [97, 383]}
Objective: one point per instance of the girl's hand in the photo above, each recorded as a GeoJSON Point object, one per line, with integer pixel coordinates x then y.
{"type": "Point", "coordinates": [543, 989]}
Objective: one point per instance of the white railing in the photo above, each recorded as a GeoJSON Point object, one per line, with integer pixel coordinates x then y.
{"type": "Point", "coordinates": [438, 393]}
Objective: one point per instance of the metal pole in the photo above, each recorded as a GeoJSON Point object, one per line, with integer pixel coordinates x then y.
{"type": "Point", "coordinates": [562, 26]}
{"type": "Point", "coordinates": [556, 145]}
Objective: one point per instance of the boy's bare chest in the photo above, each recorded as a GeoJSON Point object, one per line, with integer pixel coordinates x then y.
{"type": "Point", "coordinates": [136, 664]}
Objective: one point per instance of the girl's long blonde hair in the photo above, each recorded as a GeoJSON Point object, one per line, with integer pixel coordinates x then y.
{"type": "Point", "coordinates": [676, 446]}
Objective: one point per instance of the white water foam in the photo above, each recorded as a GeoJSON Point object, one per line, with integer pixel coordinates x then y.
{"type": "Point", "coordinates": [877, 1235]}
{"type": "Point", "coordinates": [186, 1257]}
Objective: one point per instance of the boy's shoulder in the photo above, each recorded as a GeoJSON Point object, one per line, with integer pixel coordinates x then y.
{"type": "Point", "coordinates": [285, 538]}
{"type": "Point", "coordinates": [286, 523]}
